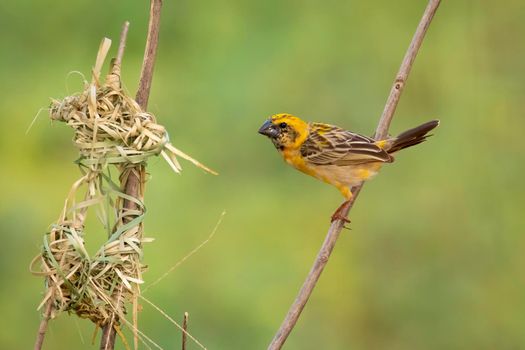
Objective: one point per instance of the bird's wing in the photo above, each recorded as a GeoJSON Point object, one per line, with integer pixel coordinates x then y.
{"type": "Point", "coordinates": [331, 145]}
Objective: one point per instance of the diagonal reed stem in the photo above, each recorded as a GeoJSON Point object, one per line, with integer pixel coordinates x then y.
{"type": "Point", "coordinates": [335, 228]}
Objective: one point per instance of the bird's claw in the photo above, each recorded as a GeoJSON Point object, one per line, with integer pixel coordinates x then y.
{"type": "Point", "coordinates": [338, 216]}
{"type": "Point", "coordinates": [340, 212]}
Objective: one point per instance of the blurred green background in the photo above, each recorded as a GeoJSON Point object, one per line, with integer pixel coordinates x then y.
{"type": "Point", "coordinates": [435, 258]}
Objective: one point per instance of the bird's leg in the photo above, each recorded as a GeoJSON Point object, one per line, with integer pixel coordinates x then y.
{"type": "Point", "coordinates": [340, 213]}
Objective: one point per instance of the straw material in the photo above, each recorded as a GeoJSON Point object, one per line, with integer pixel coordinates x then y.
{"type": "Point", "coordinates": [110, 129]}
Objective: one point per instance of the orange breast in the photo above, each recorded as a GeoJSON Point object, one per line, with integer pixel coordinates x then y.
{"type": "Point", "coordinates": [294, 158]}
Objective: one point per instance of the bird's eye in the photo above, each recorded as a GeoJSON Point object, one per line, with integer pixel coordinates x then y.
{"type": "Point", "coordinates": [283, 125]}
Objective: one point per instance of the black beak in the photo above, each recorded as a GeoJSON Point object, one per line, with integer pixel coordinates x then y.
{"type": "Point", "coordinates": [268, 129]}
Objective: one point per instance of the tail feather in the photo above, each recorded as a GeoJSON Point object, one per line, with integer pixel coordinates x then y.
{"type": "Point", "coordinates": [413, 136]}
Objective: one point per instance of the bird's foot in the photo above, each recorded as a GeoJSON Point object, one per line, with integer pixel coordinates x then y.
{"type": "Point", "coordinates": [341, 213]}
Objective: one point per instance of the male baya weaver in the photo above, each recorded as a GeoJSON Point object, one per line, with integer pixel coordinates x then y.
{"type": "Point", "coordinates": [336, 156]}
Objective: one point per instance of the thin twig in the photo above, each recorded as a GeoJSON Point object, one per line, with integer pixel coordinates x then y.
{"type": "Point", "coordinates": [122, 43]}
{"type": "Point", "coordinates": [187, 256]}
{"type": "Point", "coordinates": [335, 228]}
{"type": "Point", "coordinates": [149, 54]}
{"type": "Point", "coordinates": [42, 329]}
{"type": "Point", "coordinates": [185, 330]}
{"type": "Point", "coordinates": [404, 70]}
{"type": "Point", "coordinates": [169, 318]}
{"type": "Point", "coordinates": [134, 183]}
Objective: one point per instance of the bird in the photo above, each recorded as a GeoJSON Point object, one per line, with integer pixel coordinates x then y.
{"type": "Point", "coordinates": [334, 155]}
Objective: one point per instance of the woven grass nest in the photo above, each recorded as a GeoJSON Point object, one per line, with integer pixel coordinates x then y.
{"type": "Point", "coordinates": [111, 130]}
